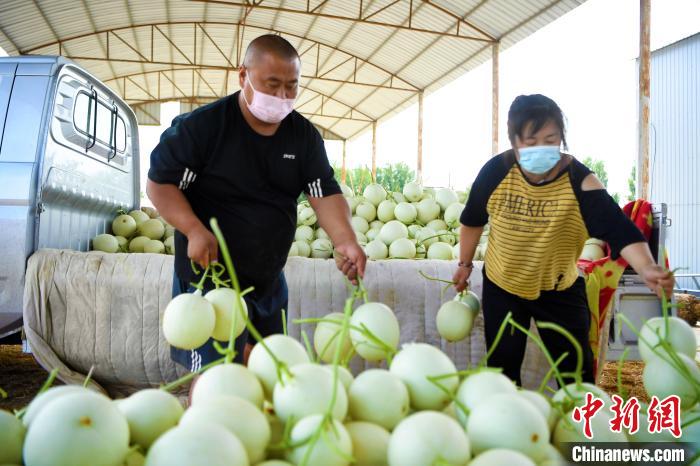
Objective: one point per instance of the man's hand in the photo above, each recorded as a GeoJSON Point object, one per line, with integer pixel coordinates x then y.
{"type": "Point", "coordinates": [351, 259]}
{"type": "Point", "coordinates": [460, 278]}
{"type": "Point", "coordinates": [202, 247]}
{"type": "Point", "coordinates": [658, 279]}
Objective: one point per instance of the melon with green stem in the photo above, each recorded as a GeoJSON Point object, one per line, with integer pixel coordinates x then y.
{"type": "Point", "coordinates": [376, 250]}
{"type": "Point", "coordinates": [41, 400]}
{"type": "Point", "coordinates": [286, 349]}
{"type": "Point", "coordinates": [303, 248]}
{"type": "Point", "coordinates": [445, 197]}
{"type": "Point", "coordinates": [228, 379]}
{"type": "Point", "coordinates": [500, 457]}
{"type": "Point", "coordinates": [478, 387]}
{"type": "Point", "coordinates": [392, 231]}
{"type": "Point", "coordinates": [305, 233]}
{"type": "Point", "coordinates": [151, 228]}
{"type": "Point", "coordinates": [359, 224]}
{"type": "Point", "coordinates": [370, 443]}
{"type": "Point", "coordinates": [11, 438]}
{"type": "Point", "coordinates": [150, 413]}
{"type": "Point", "coordinates": [239, 417]}
{"type": "Point", "coordinates": [327, 338]}
{"type": "Point", "coordinates": [405, 213]}
{"type": "Point", "coordinates": [415, 365]}
{"type": "Point", "coordinates": [124, 225]}
{"type": "Point", "coordinates": [680, 337]}
{"type": "Point", "coordinates": [138, 244]}
{"type": "Point", "coordinates": [321, 249]}
{"type": "Point", "coordinates": [154, 247]}
{"type": "Point", "coordinates": [78, 429]}
{"type": "Point", "coordinates": [375, 193]}
{"type": "Point", "coordinates": [428, 210]}
{"type": "Point", "coordinates": [413, 192]}
{"type": "Point", "coordinates": [308, 390]}
{"type": "Point", "coordinates": [428, 438]}
{"type": "Point", "coordinates": [200, 443]}
{"type": "Point", "coordinates": [169, 244]}
{"type": "Point", "coordinates": [454, 319]}
{"type": "Point", "coordinates": [139, 217]}
{"type": "Point", "coordinates": [332, 448]}
{"type": "Point", "coordinates": [188, 320]}
{"type": "Point", "coordinates": [680, 376]}
{"type": "Point", "coordinates": [105, 243]}
{"type": "Point", "coordinates": [226, 302]}
{"type": "Point", "coordinates": [437, 225]}
{"type": "Point", "coordinates": [366, 210]}
{"type": "Point", "coordinates": [375, 331]}
{"type": "Point", "coordinates": [385, 211]}
{"type": "Point", "coordinates": [440, 251]}
{"type": "Point", "coordinates": [402, 248]}
{"type": "Point", "coordinates": [379, 397]}
{"type": "Point", "coordinates": [508, 421]}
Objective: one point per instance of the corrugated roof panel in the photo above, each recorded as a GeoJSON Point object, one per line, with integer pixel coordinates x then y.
{"type": "Point", "coordinates": [365, 39]}
{"type": "Point", "coordinates": [147, 114]}
{"type": "Point", "coordinates": [348, 128]}
{"type": "Point", "coordinates": [427, 16]}
{"type": "Point", "coordinates": [425, 60]}
{"type": "Point", "coordinates": [401, 48]}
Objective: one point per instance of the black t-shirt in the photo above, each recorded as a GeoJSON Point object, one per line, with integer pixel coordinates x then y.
{"type": "Point", "coordinates": [249, 182]}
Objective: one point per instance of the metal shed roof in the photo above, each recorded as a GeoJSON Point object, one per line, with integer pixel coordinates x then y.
{"type": "Point", "coordinates": [362, 60]}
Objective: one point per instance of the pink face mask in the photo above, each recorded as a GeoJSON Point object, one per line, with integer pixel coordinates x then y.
{"type": "Point", "coordinates": [268, 108]}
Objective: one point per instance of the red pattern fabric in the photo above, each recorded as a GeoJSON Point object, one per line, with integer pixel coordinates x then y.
{"type": "Point", "coordinates": [607, 276]}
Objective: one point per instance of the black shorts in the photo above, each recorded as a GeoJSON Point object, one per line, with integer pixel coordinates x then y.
{"type": "Point", "coordinates": [265, 313]}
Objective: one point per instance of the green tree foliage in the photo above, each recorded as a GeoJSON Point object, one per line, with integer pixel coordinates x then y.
{"type": "Point", "coordinates": [632, 184]}
{"type": "Point", "coordinates": [393, 177]}
{"type": "Point", "coordinates": [597, 167]}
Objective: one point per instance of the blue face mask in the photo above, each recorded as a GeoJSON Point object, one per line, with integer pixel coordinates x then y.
{"type": "Point", "coordinates": [539, 159]}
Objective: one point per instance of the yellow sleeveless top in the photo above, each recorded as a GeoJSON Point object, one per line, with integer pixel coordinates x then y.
{"type": "Point", "coordinates": [536, 235]}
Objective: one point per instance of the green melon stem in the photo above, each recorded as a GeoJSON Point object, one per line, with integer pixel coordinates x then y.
{"type": "Point", "coordinates": [499, 335]}
{"type": "Point", "coordinates": [223, 247]}
{"type": "Point", "coordinates": [538, 341]}
{"type": "Point", "coordinates": [187, 377]}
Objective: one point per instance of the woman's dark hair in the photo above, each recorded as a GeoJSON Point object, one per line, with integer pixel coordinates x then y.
{"type": "Point", "coordinates": [537, 109]}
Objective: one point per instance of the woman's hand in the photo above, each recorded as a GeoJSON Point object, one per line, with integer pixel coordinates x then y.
{"type": "Point", "coordinates": [658, 279]}
{"type": "Point", "coordinates": [460, 278]}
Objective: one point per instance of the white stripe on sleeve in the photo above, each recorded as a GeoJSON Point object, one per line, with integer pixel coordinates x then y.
{"type": "Point", "coordinates": [184, 179]}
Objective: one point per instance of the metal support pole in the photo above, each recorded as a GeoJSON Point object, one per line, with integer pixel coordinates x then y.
{"type": "Point", "coordinates": [343, 170]}
{"type": "Point", "coordinates": [419, 162]}
{"type": "Point", "coordinates": [374, 151]}
{"type": "Point", "coordinates": [644, 94]}
{"type": "Point", "coordinates": [494, 97]}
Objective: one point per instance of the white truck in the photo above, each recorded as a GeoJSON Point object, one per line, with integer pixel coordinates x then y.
{"type": "Point", "coordinates": [68, 161]}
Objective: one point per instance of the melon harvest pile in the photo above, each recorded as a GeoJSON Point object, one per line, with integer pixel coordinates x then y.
{"type": "Point", "coordinates": [137, 231]}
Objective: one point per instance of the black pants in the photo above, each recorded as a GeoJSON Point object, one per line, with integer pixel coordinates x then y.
{"type": "Point", "coordinates": [567, 308]}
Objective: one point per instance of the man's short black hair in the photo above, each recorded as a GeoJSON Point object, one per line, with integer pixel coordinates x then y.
{"type": "Point", "coordinates": [269, 43]}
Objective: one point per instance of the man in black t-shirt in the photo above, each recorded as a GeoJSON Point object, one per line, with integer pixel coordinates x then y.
{"type": "Point", "coordinates": [245, 159]}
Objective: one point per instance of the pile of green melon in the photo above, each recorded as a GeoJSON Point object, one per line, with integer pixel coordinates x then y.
{"type": "Point", "coordinates": [138, 231]}
{"type": "Point", "coordinates": [417, 223]}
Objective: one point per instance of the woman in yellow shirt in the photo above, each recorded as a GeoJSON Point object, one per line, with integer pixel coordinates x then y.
{"type": "Point", "coordinates": [542, 205]}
